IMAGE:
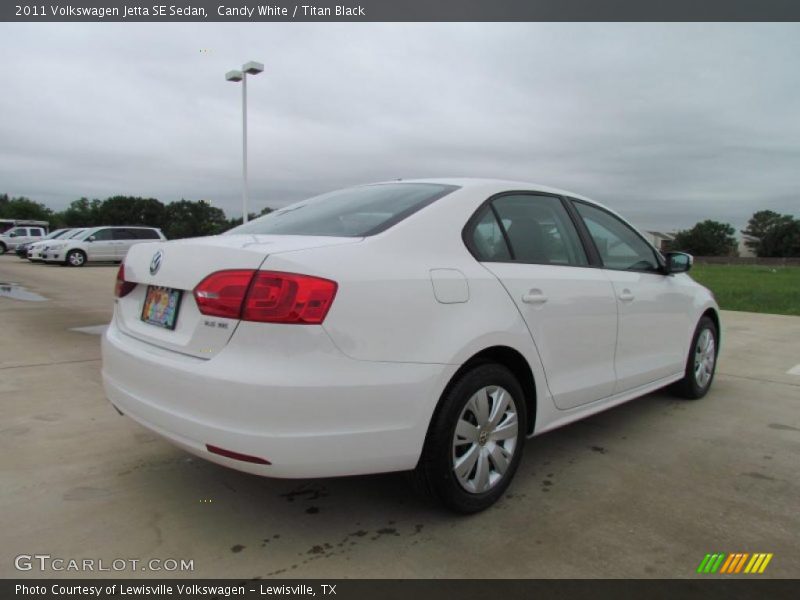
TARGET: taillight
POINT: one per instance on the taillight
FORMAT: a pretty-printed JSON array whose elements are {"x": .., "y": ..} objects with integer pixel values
[
  {"x": 221, "y": 294},
  {"x": 266, "y": 296},
  {"x": 288, "y": 298},
  {"x": 122, "y": 288}
]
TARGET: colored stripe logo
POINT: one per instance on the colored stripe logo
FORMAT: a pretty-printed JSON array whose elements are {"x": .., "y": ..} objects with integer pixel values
[{"x": 737, "y": 562}]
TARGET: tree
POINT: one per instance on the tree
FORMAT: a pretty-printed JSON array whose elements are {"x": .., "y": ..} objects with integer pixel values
[
  {"x": 781, "y": 239},
  {"x": 235, "y": 222},
  {"x": 130, "y": 210},
  {"x": 81, "y": 213},
  {"x": 764, "y": 224},
  {"x": 707, "y": 238},
  {"x": 192, "y": 219},
  {"x": 24, "y": 208}
]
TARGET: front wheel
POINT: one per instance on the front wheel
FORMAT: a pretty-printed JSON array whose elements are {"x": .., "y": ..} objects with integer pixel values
[
  {"x": 76, "y": 258},
  {"x": 701, "y": 364},
  {"x": 3, "y": 248},
  {"x": 474, "y": 444}
]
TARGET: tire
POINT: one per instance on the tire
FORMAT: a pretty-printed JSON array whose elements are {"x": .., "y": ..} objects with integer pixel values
[
  {"x": 481, "y": 484},
  {"x": 701, "y": 364},
  {"x": 75, "y": 258},
  {"x": 3, "y": 248}
]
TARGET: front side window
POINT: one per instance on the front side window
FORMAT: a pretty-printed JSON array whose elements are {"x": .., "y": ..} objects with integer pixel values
[
  {"x": 620, "y": 247},
  {"x": 354, "y": 212},
  {"x": 19, "y": 231}
]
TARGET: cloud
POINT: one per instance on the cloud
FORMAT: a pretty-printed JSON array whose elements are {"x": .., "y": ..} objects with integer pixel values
[{"x": 667, "y": 123}]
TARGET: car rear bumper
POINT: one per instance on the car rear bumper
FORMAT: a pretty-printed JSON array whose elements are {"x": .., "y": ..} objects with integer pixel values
[{"x": 296, "y": 401}]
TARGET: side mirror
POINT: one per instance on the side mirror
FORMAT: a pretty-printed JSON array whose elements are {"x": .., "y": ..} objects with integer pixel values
[
  {"x": 12, "y": 235},
  {"x": 91, "y": 238},
  {"x": 678, "y": 262}
]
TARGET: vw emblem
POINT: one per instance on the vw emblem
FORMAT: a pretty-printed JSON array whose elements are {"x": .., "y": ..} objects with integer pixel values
[{"x": 155, "y": 264}]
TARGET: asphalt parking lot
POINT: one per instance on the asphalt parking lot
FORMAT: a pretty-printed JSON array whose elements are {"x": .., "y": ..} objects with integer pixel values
[{"x": 643, "y": 490}]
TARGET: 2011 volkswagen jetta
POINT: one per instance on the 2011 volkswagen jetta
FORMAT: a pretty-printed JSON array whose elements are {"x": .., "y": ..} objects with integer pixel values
[{"x": 426, "y": 325}]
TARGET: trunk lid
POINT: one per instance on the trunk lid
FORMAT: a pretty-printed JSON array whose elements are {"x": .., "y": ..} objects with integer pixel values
[{"x": 184, "y": 264}]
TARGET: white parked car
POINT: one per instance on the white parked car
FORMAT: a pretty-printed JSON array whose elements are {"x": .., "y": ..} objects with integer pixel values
[
  {"x": 428, "y": 325},
  {"x": 34, "y": 249},
  {"x": 99, "y": 244},
  {"x": 40, "y": 253},
  {"x": 20, "y": 235}
]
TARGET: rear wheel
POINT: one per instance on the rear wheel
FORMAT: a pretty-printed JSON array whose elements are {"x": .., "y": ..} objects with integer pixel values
[
  {"x": 75, "y": 258},
  {"x": 701, "y": 364},
  {"x": 475, "y": 441}
]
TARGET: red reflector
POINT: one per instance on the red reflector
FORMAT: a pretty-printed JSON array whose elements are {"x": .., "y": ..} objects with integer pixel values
[
  {"x": 122, "y": 288},
  {"x": 236, "y": 455},
  {"x": 221, "y": 294},
  {"x": 276, "y": 297}
]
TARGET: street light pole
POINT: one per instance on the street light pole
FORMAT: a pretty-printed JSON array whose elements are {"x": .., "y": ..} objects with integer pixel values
[
  {"x": 250, "y": 68},
  {"x": 244, "y": 149}
]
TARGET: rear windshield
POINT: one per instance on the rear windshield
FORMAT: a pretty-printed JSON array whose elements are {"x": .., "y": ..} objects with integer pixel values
[{"x": 354, "y": 212}]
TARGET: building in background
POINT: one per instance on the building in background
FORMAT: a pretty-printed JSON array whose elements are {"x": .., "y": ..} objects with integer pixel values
[{"x": 660, "y": 240}]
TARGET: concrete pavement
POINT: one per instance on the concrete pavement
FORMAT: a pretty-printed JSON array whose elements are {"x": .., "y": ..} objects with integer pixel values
[{"x": 643, "y": 490}]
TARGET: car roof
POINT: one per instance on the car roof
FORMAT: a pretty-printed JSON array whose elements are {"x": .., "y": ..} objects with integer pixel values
[
  {"x": 495, "y": 186},
  {"x": 123, "y": 227}
]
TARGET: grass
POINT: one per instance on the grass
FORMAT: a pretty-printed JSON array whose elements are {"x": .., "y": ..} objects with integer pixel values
[{"x": 752, "y": 288}]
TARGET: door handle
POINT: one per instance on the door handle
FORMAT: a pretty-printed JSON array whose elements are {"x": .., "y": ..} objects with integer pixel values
[
  {"x": 534, "y": 297},
  {"x": 626, "y": 295}
]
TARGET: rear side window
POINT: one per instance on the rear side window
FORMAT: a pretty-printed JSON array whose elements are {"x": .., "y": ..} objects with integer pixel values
[
  {"x": 124, "y": 234},
  {"x": 488, "y": 238},
  {"x": 148, "y": 234},
  {"x": 534, "y": 228},
  {"x": 354, "y": 212}
]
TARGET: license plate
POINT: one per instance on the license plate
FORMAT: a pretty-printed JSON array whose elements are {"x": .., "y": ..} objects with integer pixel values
[{"x": 161, "y": 306}]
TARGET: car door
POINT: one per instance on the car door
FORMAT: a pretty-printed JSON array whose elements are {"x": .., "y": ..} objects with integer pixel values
[
  {"x": 140, "y": 235},
  {"x": 124, "y": 238},
  {"x": 17, "y": 236},
  {"x": 101, "y": 245},
  {"x": 653, "y": 309},
  {"x": 530, "y": 243}
]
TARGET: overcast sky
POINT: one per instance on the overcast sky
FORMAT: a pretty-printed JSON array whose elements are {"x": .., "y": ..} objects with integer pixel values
[{"x": 667, "y": 123}]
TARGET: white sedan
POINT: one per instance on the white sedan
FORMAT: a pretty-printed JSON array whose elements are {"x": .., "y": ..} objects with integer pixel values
[{"x": 426, "y": 325}]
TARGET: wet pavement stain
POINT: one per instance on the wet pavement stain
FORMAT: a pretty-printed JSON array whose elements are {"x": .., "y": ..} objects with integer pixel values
[
  {"x": 85, "y": 493},
  {"x": 306, "y": 492},
  {"x": 237, "y": 548},
  {"x": 782, "y": 427},
  {"x": 755, "y": 475},
  {"x": 17, "y": 292}
]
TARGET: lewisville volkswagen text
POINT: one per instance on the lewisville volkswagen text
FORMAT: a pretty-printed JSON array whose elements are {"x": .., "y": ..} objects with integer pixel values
[{"x": 426, "y": 325}]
